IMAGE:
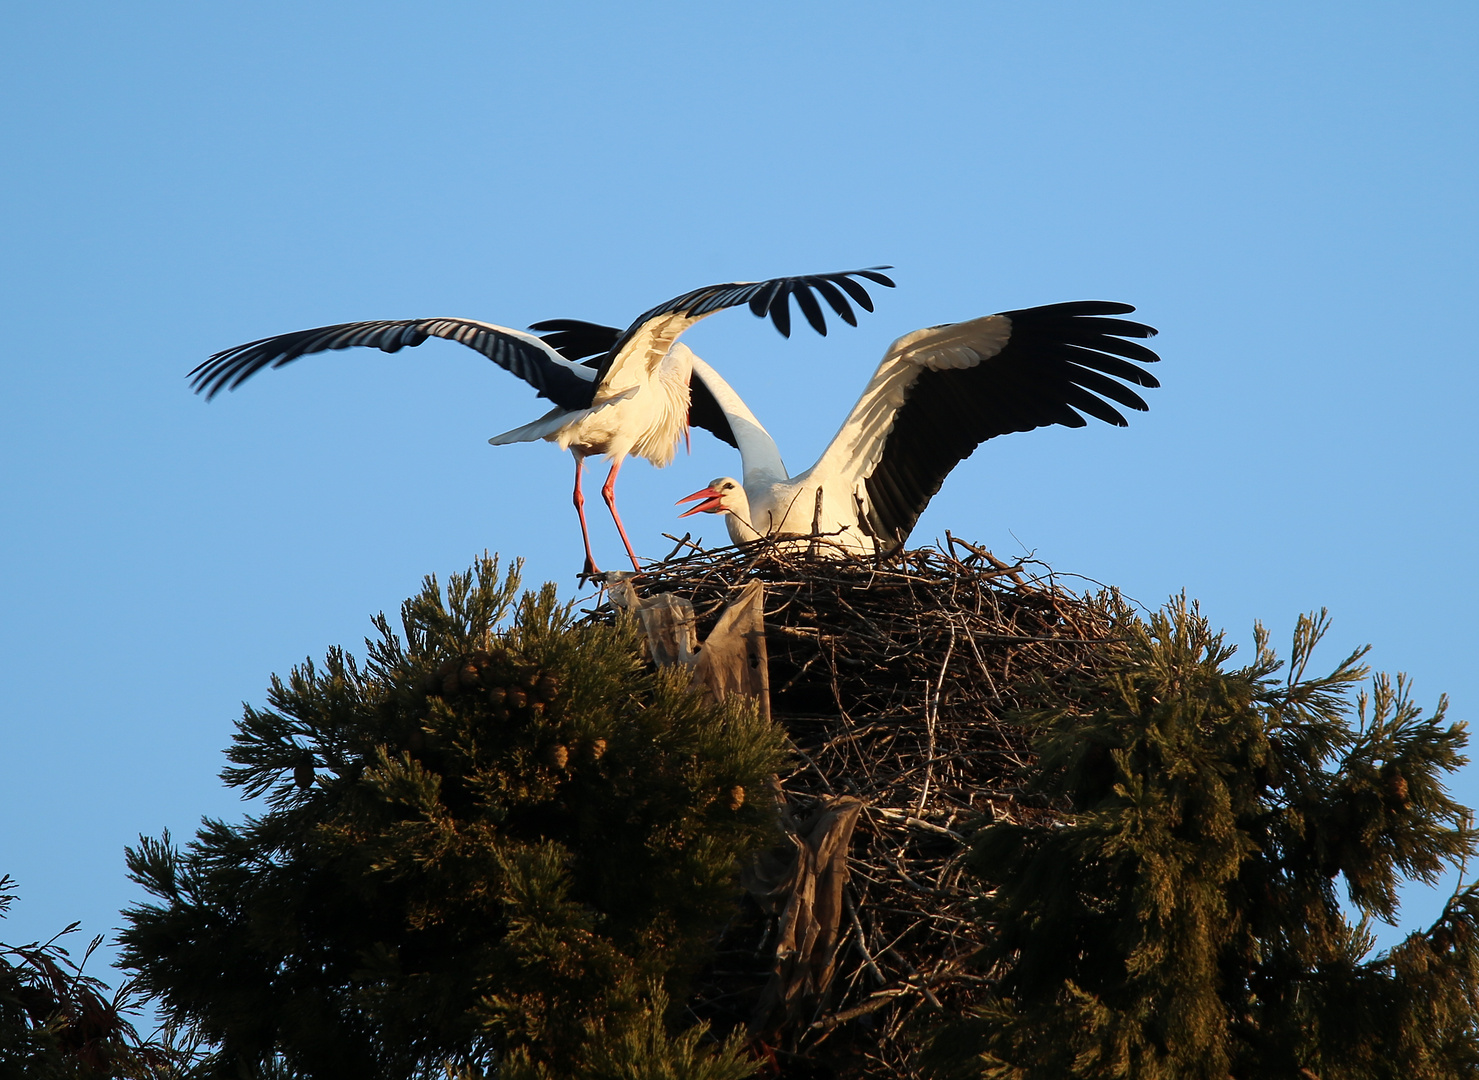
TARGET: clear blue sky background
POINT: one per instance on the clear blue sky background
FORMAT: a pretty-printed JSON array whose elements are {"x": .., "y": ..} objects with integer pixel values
[{"x": 1286, "y": 190}]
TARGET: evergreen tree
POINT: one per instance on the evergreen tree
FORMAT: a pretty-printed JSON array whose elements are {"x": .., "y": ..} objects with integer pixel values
[
  {"x": 59, "y": 1023},
  {"x": 484, "y": 851},
  {"x": 1182, "y": 917}
]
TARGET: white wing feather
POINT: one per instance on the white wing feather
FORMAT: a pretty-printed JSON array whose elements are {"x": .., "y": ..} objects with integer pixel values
[{"x": 858, "y": 447}]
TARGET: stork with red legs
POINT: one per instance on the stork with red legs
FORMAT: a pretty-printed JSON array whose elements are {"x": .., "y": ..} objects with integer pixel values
[
  {"x": 615, "y": 392},
  {"x": 937, "y": 395}
]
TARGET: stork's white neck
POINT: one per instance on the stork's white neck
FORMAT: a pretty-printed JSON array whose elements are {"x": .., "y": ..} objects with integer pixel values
[
  {"x": 758, "y": 451},
  {"x": 741, "y": 529}
]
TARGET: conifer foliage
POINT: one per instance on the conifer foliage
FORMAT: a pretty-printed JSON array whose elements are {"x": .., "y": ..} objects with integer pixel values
[
  {"x": 1182, "y": 918},
  {"x": 59, "y": 1023},
  {"x": 486, "y": 849}
]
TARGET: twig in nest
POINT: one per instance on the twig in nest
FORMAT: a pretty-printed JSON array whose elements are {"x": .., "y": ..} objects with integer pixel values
[
  {"x": 930, "y": 713},
  {"x": 1005, "y": 640}
]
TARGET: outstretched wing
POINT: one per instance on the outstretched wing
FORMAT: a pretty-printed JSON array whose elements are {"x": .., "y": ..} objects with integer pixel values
[
  {"x": 771, "y": 298},
  {"x": 942, "y": 391},
  {"x": 567, "y": 384},
  {"x": 653, "y": 332}
]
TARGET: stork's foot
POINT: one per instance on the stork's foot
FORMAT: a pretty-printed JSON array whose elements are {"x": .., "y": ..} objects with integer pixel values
[{"x": 619, "y": 583}]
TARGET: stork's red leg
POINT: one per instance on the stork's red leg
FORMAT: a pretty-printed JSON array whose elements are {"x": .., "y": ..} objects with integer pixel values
[
  {"x": 585, "y": 533},
  {"x": 608, "y": 492}
]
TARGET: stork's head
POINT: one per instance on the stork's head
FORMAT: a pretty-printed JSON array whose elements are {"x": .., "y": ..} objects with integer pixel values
[{"x": 722, "y": 496}]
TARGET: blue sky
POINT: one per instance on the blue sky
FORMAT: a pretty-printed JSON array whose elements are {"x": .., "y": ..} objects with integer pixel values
[{"x": 1286, "y": 190}]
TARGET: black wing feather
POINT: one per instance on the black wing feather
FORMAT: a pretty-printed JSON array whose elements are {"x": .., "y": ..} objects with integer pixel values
[
  {"x": 575, "y": 340},
  {"x": 838, "y": 302},
  {"x": 764, "y": 298},
  {"x": 1088, "y": 326},
  {"x": 780, "y": 310},
  {"x": 1131, "y": 350},
  {"x": 1077, "y": 397},
  {"x": 811, "y": 309},
  {"x": 232, "y": 367},
  {"x": 856, "y": 291},
  {"x": 1104, "y": 386},
  {"x": 760, "y": 302},
  {"x": 772, "y": 298},
  {"x": 705, "y": 412},
  {"x": 1087, "y": 307},
  {"x": 1110, "y": 365},
  {"x": 1060, "y": 360}
]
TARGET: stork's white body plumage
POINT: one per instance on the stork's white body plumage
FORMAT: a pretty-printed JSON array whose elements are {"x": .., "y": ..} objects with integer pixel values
[
  {"x": 937, "y": 394},
  {"x": 632, "y": 398},
  {"x": 644, "y": 419}
]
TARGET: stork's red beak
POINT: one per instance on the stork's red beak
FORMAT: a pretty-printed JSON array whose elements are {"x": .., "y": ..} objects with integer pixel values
[{"x": 709, "y": 505}]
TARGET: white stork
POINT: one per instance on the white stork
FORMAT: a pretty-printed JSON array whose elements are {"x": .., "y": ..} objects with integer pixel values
[
  {"x": 937, "y": 395},
  {"x": 630, "y": 397}
]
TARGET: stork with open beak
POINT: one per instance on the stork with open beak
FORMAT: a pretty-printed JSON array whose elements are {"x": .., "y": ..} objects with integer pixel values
[
  {"x": 616, "y": 393},
  {"x": 938, "y": 394}
]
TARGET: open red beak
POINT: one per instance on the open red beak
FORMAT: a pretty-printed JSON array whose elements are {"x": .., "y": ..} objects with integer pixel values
[{"x": 709, "y": 505}]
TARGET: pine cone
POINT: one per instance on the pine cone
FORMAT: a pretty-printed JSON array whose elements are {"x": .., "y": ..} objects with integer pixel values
[
  {"x": 736, "y": 797},
  {"x": 303, "y": 774},
  {"x": 546, "y": 688},
  {"x": 598, "y": 747},
  {"x": 557, "y": 756},
  {"x": 1397, "y": 789}
]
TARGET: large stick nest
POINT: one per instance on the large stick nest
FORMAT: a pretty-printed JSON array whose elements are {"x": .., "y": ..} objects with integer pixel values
[{"x": 898, "y": 682}]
